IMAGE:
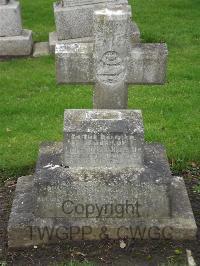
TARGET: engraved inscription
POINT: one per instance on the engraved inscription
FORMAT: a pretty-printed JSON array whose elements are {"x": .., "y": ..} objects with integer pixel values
[
  {"x": 111, "y": 67},
  {"x": 67, "y": 48},
  {"x": 102, "y": 149}
]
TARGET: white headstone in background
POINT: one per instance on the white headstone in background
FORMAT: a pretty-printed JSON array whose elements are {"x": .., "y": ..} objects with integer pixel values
[
  {"x": 14, "y": 41},
  {"x": 74, "y": 20}
]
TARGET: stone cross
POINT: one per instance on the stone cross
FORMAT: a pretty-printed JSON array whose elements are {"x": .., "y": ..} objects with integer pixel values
[{"x": 112, "y": 61}]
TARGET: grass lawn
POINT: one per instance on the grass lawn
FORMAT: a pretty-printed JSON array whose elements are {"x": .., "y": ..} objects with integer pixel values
[{"x": 32, "y": 104}]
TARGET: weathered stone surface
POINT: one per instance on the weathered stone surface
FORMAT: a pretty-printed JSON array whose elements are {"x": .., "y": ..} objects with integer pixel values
[
  {"x": 146, "y": 64},
  {"x": 10, "y": 19},
  {"x": 134, "y": 33},
  {"x": 56, "y": 185},
  {"x": 26, "y": 228},
  {"x": 22, "y": 214},
  {"x": 41, "y": 49},
  {"x": 14, "y": 41},
  {"x": 103, "y": 139},
  {"x": 91, "y": 2},
  {"x": 77, "y": 21},
  {"x": 74, "y": 63},
  {"x": 53, "y": 40},
  {"x": 111, "y": 28},
  {"x": 73, "y": 22},
  {"x": 113, "y": 62},
  {"x": 134, "y": 37},
  {"x": 17, "y": 45}
]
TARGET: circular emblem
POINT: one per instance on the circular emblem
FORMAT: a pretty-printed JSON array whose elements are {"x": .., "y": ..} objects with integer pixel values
[{"x": 110, "y": 68}]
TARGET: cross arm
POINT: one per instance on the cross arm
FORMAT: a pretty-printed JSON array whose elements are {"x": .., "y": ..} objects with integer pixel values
[
  {"x": 146, "y": 63},
  {"x": 74, "y": 63}
]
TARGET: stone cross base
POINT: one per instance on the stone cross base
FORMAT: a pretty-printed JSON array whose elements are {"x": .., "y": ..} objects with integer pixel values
[
  {"x": 111, "y": 139},
  {"x": 90, "y": 188},
  {"x": 14, "y": 41}
]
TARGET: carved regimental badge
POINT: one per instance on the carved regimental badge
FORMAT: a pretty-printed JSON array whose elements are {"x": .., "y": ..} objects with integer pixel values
[{"x": 111, "y": 68}]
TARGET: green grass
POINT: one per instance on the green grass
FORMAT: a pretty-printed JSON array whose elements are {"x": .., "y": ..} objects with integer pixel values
[
  {"x": 32, "y": 105},
  {"x": 38, "y": 16}
]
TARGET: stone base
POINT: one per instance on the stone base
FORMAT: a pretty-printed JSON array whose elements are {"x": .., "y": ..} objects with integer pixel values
[
  {"x": 61, "y": 204},
  {"x": 16, "y": 45}
]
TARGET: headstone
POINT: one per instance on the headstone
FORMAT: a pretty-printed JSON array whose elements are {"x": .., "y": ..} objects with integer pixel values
[
  {"x": 112, "y": 62},
  {"x": 14, "y": 41},
  {"x": 104, "y": 180},
  {"x": 74, "y": 20},
  {"x": 10, "y": 19}
]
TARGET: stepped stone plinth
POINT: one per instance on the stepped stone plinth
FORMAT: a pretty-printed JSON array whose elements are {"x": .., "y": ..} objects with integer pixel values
[{"x": 104, "y": 180}]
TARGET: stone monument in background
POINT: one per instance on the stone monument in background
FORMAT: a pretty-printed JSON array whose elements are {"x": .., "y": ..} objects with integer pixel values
[
  {"x": 14, "y": 41},
  {"x": 74, "y": 21},
  {"x": 104, "y": 180}
]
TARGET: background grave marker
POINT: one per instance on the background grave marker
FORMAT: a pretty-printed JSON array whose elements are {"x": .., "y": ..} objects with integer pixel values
[{"x": 14, "y": 41}]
